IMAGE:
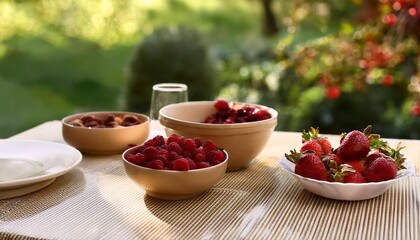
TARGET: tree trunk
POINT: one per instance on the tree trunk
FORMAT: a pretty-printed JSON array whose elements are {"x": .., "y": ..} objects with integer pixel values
[{"x": 270, "y": 24}]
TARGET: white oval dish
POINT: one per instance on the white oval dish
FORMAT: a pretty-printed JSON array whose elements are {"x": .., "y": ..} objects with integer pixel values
[
  {"x": 56, "y": 159},
  {"x": 346, "y": 191}
]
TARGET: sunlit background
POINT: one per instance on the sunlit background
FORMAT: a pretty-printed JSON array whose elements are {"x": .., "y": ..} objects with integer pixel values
[{"x": 316, "y": 62}]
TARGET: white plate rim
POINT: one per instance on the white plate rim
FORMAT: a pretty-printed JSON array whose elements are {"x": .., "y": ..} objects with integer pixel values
[{"x": 36, "y": 179}]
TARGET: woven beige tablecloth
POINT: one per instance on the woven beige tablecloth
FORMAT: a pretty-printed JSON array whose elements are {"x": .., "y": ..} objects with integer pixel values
[{"x": 96, "y": 200}]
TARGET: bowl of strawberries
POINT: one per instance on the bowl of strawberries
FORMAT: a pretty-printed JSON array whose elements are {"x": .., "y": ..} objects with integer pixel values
[
  {"x": 176, "y": 167},
  {"x": 362, "y": 166}
]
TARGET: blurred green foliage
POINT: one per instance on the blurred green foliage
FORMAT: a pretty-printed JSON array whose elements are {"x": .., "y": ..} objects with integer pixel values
[
  {"x": 69, "y": 56},
  {"x": 61, "y": 57},
  {"x": 170, "y": 54}
]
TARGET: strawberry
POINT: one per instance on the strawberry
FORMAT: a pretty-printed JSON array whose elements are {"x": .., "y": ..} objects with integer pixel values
[
  {"x": 308, "y": 165},
  {"x": 312, "y": 146},
  {"x": 358, "y": 165},
  {"x": 325, "y": 145},
  {"x": 313, "y": 134},
  {"x": 372, "y": 156},
  {"x": 355, "y": 177},
  {"x": 354, "y": 145},
  {"x": 381, "y": 169},
  {"x": 346, "y": 173},
  {"x": 384, "y": 148},
  {"x": 332, "y": 157}
]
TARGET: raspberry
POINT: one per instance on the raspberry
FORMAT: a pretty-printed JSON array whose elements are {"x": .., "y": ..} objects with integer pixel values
[
  {"x": 188, "y": 144},
  {"x": 203, "y": 165},
  {"x": 176, "y": 153},
  {"x": 170, "y": 165},
  {"x": 198, "y": 142},
  {"x": 187, "y": 154},
  {"x": 174, "y": 138},
  {"x": 136, "y": 158},
  {"x": 162, "y": 158},
  {"x": 199, "y": 158},
  {"x": 209, "y": 145},
  {"x": 192, "y": 164},
  {"x": 138, "y": 149},
  {"x": 150, "y": 152},
  {"x": 215, "y": 157},
  {"x": 158, "y": 141},
  {"x": 199, "y": 151},
  {"x": 174, "y": 147},
  {"x": 173, "y": 156},
  {"x": 155, "y": 142},
  {"x": 156, "y": 164},
  {"x": 146, "y": 164},
  {"x": 149, "y": 143},
  {"x": 181, "y": 164},
  {"x": 221, "y": 105},
  {"x": 163, "y": 152}
]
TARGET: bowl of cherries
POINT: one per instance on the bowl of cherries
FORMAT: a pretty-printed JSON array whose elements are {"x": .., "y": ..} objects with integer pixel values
[
  {"x": 176, "y": 167},
  {"x": 105, "y": 133},
  {"x": 242, "y": 129}
]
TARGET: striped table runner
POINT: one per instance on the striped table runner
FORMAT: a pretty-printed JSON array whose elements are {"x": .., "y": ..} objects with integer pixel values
[{"x": 97, "y": 201}]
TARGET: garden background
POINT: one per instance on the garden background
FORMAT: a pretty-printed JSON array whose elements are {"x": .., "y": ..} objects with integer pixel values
[{"x": 337, "y": 65}]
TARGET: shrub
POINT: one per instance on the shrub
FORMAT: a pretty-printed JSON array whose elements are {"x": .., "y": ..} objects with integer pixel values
[
  {"x": 368, "y": 77},
  {"x": 169, "y": 54}
]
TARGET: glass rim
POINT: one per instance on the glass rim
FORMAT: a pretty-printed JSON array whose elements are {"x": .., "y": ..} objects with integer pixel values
[{"x": 170, "y": 87}]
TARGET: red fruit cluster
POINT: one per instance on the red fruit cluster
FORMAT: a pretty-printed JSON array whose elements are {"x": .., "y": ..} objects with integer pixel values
[
  {"x": 361, "y": 157},
  {"x": 236, "y": 113},
  {"x": 176, "y": 153}
]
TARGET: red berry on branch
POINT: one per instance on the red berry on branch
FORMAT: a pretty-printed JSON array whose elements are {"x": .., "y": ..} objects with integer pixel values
[
  {"x": 363, "y": 64},
  {"x": 390, "y": 19},
  {"x": 388, "y": 80},
  {"x": 415, "y": 110},
  {"x": 332, "y": 92},
  {"x": 412, "y": 12},
  {"x": 396, "y": 6}
]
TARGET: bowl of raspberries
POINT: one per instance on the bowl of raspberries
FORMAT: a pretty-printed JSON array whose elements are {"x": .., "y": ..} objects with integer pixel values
[
  {"x": 176, "y": 167},
  {"x": 242, "y": 129},
  {"x": 362, "y": 166}
]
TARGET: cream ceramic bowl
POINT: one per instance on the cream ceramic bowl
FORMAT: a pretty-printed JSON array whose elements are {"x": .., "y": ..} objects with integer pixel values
[
  {"x": 102, "y": 141},
  {"x": 174, "y": 185},
  {"x": 242, "y": 141},
  {"x": 346, "y": 191}
]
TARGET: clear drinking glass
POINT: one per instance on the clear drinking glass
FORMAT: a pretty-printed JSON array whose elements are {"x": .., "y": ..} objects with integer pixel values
[{"x": 167, "y": 93}]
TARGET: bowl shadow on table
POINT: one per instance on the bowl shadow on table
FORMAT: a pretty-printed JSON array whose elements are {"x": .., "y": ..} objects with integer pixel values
[
  {"x": 238, "y": 194},
  {"x": 61, "y": 189}
]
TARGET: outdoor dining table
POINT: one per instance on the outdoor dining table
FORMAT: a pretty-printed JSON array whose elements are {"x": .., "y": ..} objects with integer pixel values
[{"x": 96, "y": 200}]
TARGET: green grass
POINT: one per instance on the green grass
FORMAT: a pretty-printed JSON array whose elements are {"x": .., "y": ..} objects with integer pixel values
[
  {"x": 57, "y": 59},
  {"x": 53, "y": 69}
]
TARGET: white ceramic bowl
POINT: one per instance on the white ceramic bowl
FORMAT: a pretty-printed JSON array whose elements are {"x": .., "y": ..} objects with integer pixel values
[
  {"x": 171, "y": 184},
  {"x": 243, "y": 141},
  {"x": 346, "y": 191}
]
